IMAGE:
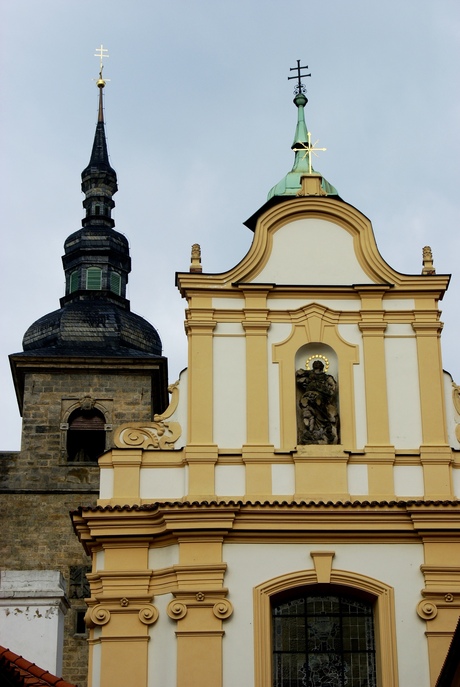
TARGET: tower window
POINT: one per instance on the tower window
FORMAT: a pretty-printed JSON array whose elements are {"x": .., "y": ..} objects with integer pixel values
[
  {"x": 115, "y": 283},
  {"x": 94, "y": 278},
  {"x": 85, "y": 436},
  {"x": 97, "y": 210},
  {"x": 323, "y": 640},
  {"x": 74, "y": 281}
]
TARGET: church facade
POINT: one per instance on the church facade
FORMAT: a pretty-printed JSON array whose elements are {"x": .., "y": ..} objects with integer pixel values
[{"x": 292, "y": 517}]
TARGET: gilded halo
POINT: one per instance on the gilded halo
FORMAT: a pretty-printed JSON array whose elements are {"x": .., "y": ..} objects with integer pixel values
[{"x": 316, "y": 356}]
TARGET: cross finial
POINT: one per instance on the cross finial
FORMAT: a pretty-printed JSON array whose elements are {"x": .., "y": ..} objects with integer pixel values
[
  {"x": 300, "y": 88},
  {"x": 101, "y": 53},
  {"x": 309, "y": 148}
]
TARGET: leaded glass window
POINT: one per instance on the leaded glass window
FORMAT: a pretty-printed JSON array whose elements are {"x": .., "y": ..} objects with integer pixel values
[{"x": 323, "y": 640}]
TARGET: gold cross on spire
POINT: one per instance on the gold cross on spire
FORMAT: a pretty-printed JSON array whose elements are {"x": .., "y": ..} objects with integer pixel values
[
  {"x": 309, "y": 148},
  {"x": 101, "y": 53}
]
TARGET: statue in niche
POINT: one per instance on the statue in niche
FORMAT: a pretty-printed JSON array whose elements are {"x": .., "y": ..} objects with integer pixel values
[{"x": 317, "y": 407}]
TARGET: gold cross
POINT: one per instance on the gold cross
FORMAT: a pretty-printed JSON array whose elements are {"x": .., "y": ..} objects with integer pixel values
[
  {"x": 309, "y": 148},
  {"x": 100, "y": 52}
]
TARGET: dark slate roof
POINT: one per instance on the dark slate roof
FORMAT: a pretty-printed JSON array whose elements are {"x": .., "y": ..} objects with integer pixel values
[
  {"x": 92, "y": 327},
  {"x": 16, "y": 671}
]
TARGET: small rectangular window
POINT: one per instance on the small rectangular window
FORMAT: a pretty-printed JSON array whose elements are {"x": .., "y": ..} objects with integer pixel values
[{"x": 80, "y": 625}]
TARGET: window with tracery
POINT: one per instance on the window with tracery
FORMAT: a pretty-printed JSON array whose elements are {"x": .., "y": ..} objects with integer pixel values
[{"x": 323, "y": 640}]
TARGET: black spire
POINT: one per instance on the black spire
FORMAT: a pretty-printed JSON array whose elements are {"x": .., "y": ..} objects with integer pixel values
[
  {"x": 95, "y": 316},
  {"x": 99, "y": 179}
]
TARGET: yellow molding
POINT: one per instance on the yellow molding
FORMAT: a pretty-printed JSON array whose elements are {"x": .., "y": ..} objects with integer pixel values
[
  {"x": 327, "y": 209},
  {"x": 322, "y": 561}
]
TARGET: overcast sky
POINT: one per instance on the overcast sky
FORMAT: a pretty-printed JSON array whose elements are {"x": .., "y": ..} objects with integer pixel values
[{"x": 199, "y": 120}]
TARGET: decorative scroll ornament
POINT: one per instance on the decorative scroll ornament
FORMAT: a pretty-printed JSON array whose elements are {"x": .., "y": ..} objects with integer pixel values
[
  {"x": 97, "y": 616},
  {"x": 160, "y": 435},
  {"x": 176, "y": 610},
  {"x": 148, "y": 614},
  {"x": 427, "y": 610},
  {"x": 222, "y": 609}
]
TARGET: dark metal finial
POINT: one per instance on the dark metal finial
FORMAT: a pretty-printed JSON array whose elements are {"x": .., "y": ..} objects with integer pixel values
[{"x": 300, "y": 88}]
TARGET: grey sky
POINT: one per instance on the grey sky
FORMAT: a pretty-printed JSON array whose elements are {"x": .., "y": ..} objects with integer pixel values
[{"x": 199, "y": 119}]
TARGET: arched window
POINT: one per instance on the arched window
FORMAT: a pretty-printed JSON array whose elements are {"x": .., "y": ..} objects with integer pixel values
[
  {"x": 86, "y": 435},
  {"x": 323, "y": 638},
  {"x": 300, "y": 623},
  {"x": 94, "y": 278}
]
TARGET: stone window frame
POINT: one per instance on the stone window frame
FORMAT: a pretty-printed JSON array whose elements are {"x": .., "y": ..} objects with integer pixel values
[
  {"x": 68, "y": 406},
  {"x": 348, "y": 582}
]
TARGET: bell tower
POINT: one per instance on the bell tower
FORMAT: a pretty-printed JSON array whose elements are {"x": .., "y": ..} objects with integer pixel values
[{"x": 85, "y": 368}]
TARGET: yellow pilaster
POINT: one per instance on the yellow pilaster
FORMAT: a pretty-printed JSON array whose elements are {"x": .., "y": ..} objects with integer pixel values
[
  {"x": 201, "y": 453},
  {"x": 120, "y": 606},
  {"x": 381, "y": 452},
  {"x": 200, "y": 325},
  {"x": 126, "y": 466},
  {"x": 200, "y": 607},
  {"x": 436, "y": 455},
  {"x": 256, "y": 327}
]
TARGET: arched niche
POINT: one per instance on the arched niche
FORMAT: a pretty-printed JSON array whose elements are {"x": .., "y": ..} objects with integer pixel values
[
  {"x": 317, "y": 326},
  {"x": 317, "y": 395}
]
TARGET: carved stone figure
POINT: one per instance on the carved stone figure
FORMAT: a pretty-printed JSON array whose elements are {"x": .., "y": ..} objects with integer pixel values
[{"x": 317, "y": 408}]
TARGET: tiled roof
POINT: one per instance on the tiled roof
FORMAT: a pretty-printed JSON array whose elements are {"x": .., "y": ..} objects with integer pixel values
[
  {"x": 16, "y": 671},
  {"x": 293, "y": 505}
]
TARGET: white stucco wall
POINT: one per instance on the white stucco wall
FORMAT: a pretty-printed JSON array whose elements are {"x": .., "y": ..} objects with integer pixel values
[
  {"x": 452, "y": 417},
  {"x": 348, "y": 305},
  {"x": 106, "y": 482},
  {"x": 162, "y": 648},
  {"x": 352, "y": 334},
  {"x": 296, "y": 247},
  {"x": 230, "y": 480},
  {"x": 283, "y": 479},
  {"x": 32, "y": 609},
  {"x": 403, "y": 386},
  {"x": 279, "y": 331},
  {"x": 396, "y": 565},
  {"x": 408, "y": 480},
  {"x": 229, "y": 386},
  {"x": 358, "y": 479},
  {"x": 163, "y": 483}
]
